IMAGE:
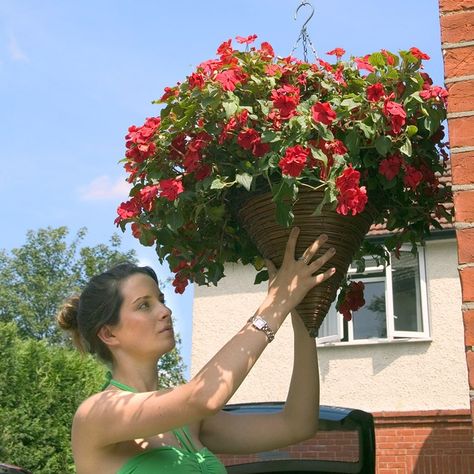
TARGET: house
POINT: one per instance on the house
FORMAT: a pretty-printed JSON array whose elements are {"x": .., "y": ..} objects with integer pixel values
[{"x": 408, "y": 357}]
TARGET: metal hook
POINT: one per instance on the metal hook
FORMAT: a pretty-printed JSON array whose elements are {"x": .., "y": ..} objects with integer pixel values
[{"x": 303, "y": 28}]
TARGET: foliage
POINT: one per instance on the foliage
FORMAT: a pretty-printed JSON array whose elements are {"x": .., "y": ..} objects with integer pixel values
[
  {"x": 366, "y": 130},
  {"x": 36, "y": 277},
  {"x": 40, "y": 389}
]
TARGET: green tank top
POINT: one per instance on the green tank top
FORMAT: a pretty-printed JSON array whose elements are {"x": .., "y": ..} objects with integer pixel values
[{"x": 171, "y": 459}]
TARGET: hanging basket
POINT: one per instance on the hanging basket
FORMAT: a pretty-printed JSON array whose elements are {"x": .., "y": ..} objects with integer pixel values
[{"x": 345, "y": 234}]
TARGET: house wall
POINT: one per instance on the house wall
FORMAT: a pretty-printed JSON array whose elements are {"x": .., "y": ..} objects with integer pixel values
[
  {"x": 457, "y": 43},
  {"x": 401, "y": 376}
]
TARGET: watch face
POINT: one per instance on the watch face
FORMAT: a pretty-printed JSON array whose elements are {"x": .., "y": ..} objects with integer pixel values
[{"x": 259, "y": 323}]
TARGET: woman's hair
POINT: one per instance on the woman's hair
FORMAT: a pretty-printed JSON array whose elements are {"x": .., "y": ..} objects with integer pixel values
[{"x": 98, "y": 304}]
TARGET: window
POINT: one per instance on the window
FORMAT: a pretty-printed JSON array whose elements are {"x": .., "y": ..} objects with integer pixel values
[{"x": 395, "y": 303}]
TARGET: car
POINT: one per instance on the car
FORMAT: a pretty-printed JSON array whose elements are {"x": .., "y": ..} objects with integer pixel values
[
  {"x": 9, "y": 469},
  {"x": 344, "y": 443}
]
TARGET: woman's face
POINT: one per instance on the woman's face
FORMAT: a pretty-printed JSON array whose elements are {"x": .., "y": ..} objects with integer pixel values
[{"x": 145, "y": 327}]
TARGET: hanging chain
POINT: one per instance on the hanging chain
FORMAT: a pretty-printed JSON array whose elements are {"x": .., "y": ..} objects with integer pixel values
[{"x": 304, "y": 36}]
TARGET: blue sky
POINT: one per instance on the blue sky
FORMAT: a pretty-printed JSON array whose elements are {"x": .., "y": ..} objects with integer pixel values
[{"x": 75, "y": 74}]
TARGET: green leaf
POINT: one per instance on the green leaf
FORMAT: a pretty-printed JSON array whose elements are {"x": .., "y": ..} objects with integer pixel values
[
  {"x": 383, "y": 145},
  {"x": 230, "y": 109},
  {"x": 412, "y": 130},
  {"x": 218, "y": 184},
  {"x": 406, "y": 148},
  {"x": 261, "y": 277},
  {"x": 284, "y": 214},
  {"x": 245, "y": 180},
  {"x": 269, "y": 136},
  {"x": 366, "y": 129},
  {"x": 377, "y": 59},
  {"x": 352, "y": 141},
  {"x": 350, "y": 104},
  {"x": 175, "y": 221}
]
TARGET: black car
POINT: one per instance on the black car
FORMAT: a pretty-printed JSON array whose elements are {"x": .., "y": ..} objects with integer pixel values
[
  {"x": 345, "y": 443},
  {"x": 9, "y": 469}
]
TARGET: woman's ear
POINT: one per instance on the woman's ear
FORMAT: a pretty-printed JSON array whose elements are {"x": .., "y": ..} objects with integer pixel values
[{"x": 106, "y": 335}]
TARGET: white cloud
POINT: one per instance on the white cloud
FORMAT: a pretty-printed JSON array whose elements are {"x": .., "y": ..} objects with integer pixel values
[
  {"x": 16, "y": 53},
  {"x": 104, "y": 188}
]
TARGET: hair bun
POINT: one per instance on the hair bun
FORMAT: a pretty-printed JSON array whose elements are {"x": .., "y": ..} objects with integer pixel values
[{"x": 67, "y": 314}]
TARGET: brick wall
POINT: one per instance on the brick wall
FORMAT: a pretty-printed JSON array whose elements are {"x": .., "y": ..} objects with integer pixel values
[
  {"x": 427, "y": 442},
  {"x": 457, "y": 37},
  {"x": 420, "y": 442}
]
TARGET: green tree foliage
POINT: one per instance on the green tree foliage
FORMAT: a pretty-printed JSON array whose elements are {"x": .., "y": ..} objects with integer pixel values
[
  {"x": 36, "y": 277},
  {"x": 40, "y": 389},
  {"x": 43, "y": 380}
]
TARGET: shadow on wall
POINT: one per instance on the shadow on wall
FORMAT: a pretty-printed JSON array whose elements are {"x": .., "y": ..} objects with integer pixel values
[
  {"x": 447, "y": 449},
  {"x": 425, "y": 442}
]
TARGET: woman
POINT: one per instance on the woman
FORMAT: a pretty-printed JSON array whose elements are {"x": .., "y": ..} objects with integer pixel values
[{"x": 134, "y": 427}]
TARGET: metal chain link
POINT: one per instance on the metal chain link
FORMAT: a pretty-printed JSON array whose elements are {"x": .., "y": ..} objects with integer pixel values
[{"x": 304, "y": 36}]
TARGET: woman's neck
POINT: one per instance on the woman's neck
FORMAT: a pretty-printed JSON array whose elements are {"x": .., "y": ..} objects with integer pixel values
[{"x": 140, "y": 377}]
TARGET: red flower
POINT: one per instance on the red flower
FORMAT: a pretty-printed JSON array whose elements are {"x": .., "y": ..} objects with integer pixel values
[
  {"x": 169, "y": 92},
  {"x": 418, "y": 54},
  {"x": 209, "y": 67},
  {"x": 389, "y": 58},
  {"x": 203, "y": 172},
  {"x": 353, "y": 299},
  {"x": 433, "y": 92},
  {"x": 294, "y": 160},
  {"x": 147, "y": 196},
  {"x": 338, "y": 52},
  {"x": 322, "y": 112},
  {"x": 266, "y": 51},
  {"x": 363, "y": 63},
  {"x": 285, "y": 100},
  {"x": 128, "y": 210},
  {"x": 247, "y": 138},
  {"x": 170, "y": 188},
  {"x": 200, "y": 141},
  {"x": 412, "y": 177},
  {"x": 225, "y": 50},
  {"x": 196, "y": 80},
  {"x": 180, "y": 283},
  {"x": 375, "y": 92},
  {"x": 390, "y": 166},
  {"x": 396, "y": 115},
  {"x": 192, "y": 160},
  {"x": 230, "y": 78},
  {"x": 178, "y": 146},
  {"x": 142, "y": 232},
  {"x": 325, "y": 65},
  {"x": 247, "y": 40},
  {"x": 351, "y": 197}
]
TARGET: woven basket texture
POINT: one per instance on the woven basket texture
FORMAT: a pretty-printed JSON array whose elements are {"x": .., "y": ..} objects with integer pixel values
[{"x": 345, "y": 234}]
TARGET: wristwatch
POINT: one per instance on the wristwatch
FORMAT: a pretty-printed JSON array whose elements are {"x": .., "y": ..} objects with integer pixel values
[{"x": 259, "y": 323}]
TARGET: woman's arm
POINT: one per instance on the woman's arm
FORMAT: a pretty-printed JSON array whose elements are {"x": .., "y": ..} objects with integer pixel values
[
  {"x": 223, "y": 433},
  {"x": 111, "y": 416}
]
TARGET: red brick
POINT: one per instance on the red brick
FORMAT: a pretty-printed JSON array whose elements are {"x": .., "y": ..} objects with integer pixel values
[
  {"x": 459, "y": 62},
  {"x": 462, "y": 167},
  {"x": 467, "y": 284},
  {"x": 464, "y": 206},
  {"x": 458, "y": 27},
  {"x": 455, "y": 5},
  {"x": 465, "y": 238},
  {"x": 461, "y": 131},
  {"x": 470, "y": 368},
  {"x": 468, "y": 318},
  {"x": 461, "y": 96}
]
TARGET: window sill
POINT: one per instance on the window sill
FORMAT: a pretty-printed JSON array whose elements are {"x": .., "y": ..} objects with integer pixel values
[{"x": 370, "y": 342}]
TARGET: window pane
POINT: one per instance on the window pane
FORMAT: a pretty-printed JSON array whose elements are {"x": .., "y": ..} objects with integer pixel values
[
  {"x": 370, "y": 321},
  {"x": 329, "y": 325},
  {"x": 406, "y": 293}
]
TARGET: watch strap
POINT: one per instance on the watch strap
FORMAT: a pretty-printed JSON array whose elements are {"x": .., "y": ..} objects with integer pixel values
[{"x": 259, "y": 323}]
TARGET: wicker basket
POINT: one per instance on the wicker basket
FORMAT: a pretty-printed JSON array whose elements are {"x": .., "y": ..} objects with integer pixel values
[{"x": 345, "y": 233}]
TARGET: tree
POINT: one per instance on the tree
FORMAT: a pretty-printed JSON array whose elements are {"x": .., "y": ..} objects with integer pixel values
[
  {"x": 43, "y": 380},
  {"x": 37, "y": 277}
]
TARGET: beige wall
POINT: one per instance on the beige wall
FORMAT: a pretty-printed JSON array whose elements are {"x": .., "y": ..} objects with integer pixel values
[{"x": 418, "y": 375}]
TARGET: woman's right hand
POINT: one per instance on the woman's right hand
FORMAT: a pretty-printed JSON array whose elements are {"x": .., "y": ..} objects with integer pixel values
[{"x": 289, "y": 284}]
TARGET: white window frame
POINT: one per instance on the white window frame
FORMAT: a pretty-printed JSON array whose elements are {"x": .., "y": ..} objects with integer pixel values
[{"x": 392, "y": 334}]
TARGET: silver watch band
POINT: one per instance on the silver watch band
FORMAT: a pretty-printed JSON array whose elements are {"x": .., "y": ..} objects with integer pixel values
[{"x": 259, "y": 323}]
